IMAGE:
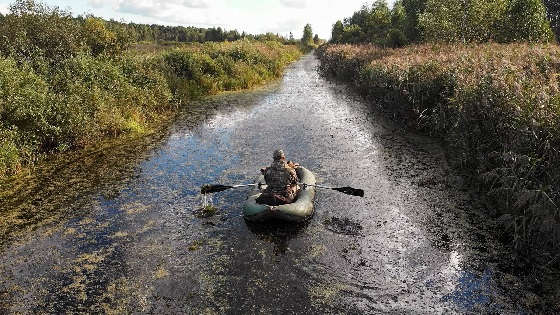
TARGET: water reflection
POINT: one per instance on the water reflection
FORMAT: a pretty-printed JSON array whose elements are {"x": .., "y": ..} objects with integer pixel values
[{"x": 472, "y": 291}]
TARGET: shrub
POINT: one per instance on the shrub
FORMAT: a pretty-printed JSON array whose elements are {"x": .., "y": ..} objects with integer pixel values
[
  {"x": 34, "y": 31},
  {"x": 208, "y": 68},
  {"x": 396, "y": 38}
]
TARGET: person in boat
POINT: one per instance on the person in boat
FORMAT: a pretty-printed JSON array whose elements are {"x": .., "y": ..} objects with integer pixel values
[{"x": 281, "y": 180}]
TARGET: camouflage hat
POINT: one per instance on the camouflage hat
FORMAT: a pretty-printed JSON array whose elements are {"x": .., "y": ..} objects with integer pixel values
[{"x": 278, "y": 154}]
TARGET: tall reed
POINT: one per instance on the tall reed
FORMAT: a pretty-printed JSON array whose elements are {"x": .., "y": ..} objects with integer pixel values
[{"x": 496, "y": 106}]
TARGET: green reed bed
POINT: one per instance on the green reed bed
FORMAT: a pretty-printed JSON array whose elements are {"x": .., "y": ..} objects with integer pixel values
[{"x": 496, "y": 106}]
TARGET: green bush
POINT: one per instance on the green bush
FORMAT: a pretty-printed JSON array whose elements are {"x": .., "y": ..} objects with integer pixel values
[
  {"x": 34, "y": 31},
  {"x": 27, "y": 105},
  {"x": 85, "y": 99},
  {"x": 396, "y": 38},
  {"x": 44, "y": 36},
  {"x": 212, "y": 67}
]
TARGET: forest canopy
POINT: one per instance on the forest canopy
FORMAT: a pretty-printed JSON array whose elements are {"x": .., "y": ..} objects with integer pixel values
[{"x": 414, "y": 21}]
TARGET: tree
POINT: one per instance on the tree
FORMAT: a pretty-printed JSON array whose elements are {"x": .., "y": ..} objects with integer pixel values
[
  {"x": 526, "y": 20},
  {"x": 553, "y": 12},
  {"x": 291, "y": 39},
  {"x": 485, "y": 20},
  {"x": 352, "y": 34},
  {"x": 33, "y": 31},
  {"x": 307, "y": 38},
  {"x": 337, "y": 32},
  {"x": 316, "y": 39},
  {"x": 413, "y": 9},
  {"x": 398, "y": 15},
  {"x": 444, "y": 20},
  {"x": 377, "y": 23},
  {"x": 463, "y": 20}
]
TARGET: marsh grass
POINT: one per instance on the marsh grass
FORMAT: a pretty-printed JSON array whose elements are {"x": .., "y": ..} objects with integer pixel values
[{"x": 496, "y": 106}]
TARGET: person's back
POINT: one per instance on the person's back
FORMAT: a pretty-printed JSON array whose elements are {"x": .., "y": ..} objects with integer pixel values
[{"x": 281, "y": 179}]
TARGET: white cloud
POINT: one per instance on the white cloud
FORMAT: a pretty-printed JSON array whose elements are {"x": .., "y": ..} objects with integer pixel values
[
  {"x": 299, "y": 4},
  {"x": 96, "y": 3},
  {"x": 196, "y": 3},
  {"x": 163, "y": 8},
  {"x": 144, "y": 8},
  {"x": 4, "y": 9}
]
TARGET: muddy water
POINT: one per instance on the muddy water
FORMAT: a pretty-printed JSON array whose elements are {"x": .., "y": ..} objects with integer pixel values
[{"x": 114, "y": 229}]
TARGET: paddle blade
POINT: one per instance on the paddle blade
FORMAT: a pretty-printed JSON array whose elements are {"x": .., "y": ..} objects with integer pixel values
[
  {"x": 351, "y": 191},
  {"x": 210, "y": 189}
]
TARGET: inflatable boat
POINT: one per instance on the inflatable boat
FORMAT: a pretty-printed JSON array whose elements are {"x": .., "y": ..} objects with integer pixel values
[{"x": 298, "y": 211}]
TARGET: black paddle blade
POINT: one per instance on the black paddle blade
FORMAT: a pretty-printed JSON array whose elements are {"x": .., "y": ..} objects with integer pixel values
[
  {"x": 210, "y": 189},
  {"x": 351, "y": 191}
]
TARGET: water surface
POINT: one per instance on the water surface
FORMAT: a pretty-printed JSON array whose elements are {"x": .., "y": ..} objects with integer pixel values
[{"x": 114, "y": 229}]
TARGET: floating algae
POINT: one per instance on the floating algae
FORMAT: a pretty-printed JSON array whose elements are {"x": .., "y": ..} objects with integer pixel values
[
  {"x": 194, "y": 246},
  {"x": 207, "y": 209}
]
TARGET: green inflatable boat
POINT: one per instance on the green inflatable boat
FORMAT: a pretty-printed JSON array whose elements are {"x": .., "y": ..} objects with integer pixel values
[{"x": 297, "y": 211}]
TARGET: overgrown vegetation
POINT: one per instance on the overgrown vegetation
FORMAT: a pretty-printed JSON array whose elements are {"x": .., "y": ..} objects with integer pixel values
[
  {"x": 497, "y": 106},
  {"x": 483, "y": 76},
  {"x": 208, "y": 68},
  {"x": 65, "y": 82},
  {"x": 553, "y": 12},
  {"x": 414, "y": 21}
]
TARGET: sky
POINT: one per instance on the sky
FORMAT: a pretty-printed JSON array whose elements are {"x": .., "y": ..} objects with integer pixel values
[{"x": 252, "y": 16}]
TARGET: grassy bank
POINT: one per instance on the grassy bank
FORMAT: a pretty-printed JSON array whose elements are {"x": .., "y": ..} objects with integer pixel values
[
  {"x": 498, "y": 109},
  {"x": 84, "y": 98}
]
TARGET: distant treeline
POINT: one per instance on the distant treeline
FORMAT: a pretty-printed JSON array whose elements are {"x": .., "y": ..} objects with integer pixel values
[
  {"x": 415, "y": 21},
  {"x": 133, "y": 32},
  {"x": 188, "y": 34}
]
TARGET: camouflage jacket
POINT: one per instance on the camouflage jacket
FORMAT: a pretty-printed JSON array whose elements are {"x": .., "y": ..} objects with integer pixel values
[{"x": 281, "y": 178}]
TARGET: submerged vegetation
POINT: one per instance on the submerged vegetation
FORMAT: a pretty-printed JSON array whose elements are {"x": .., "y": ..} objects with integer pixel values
[{"x": 66, "y": 82}]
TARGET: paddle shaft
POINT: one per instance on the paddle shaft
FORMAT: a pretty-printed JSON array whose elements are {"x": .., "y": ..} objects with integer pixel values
[
  {"x": 317, "y": 186},
  {"x": 345, "y": 190},
  {"x": 245, "y": 185},
  {"x": 210, "y": 189}
]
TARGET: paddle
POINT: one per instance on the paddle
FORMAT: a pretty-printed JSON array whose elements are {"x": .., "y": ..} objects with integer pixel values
[
  {"x": 210, "y": 189},
  {"x": 345, "y": 190}
]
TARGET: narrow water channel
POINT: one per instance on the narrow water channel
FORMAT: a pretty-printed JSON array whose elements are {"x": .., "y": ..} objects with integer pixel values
[{"x": 115, "y": 230}]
